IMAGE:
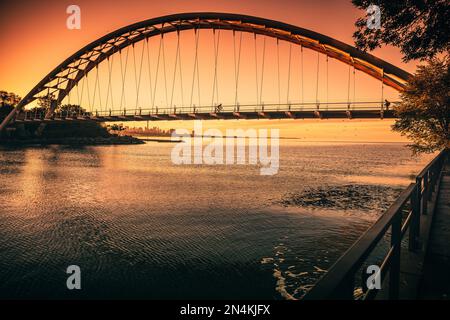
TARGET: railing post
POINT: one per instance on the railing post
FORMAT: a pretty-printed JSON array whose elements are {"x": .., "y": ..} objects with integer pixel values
[
  {"x": 430, "y": 183},
  {"x": 425, "y": 193},
  {"x": 434, "y": 175},
  {"x": 414, "y": 226},
  {"x": 394, "y": 272}
]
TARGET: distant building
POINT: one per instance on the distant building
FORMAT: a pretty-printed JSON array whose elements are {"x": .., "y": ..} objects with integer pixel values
[{"x": 154, "y": 131}]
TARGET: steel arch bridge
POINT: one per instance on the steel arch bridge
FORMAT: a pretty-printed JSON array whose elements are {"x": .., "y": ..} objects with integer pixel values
[{"x": 61, "y": 80}]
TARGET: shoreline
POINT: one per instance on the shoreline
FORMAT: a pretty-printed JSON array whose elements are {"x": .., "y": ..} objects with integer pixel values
[{"x": 81, "y": 141}]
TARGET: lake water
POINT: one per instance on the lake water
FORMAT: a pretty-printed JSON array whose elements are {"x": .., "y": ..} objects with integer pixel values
[{"x": 140, "y": 227}]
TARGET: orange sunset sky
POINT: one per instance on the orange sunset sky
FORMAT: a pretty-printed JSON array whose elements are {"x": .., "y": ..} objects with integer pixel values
[{"x": 35, "y": 39}]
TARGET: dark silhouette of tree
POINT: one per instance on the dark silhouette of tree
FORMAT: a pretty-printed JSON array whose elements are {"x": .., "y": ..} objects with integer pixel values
[
  {"x": 3, "y": 97},
  {"x": 8, "y": 100},
  {"x": 116, "y": 128},
  {"x": 424, "y": 113},
  {"x": 70, "y": 109},
  {"x": 46, "y": 101},
  {"x": 39, "y": 111},
  {"x": 420, "y": 28}
]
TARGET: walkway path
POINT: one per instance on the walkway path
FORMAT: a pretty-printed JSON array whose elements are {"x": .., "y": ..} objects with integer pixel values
[{"x": 436, "y": 279}]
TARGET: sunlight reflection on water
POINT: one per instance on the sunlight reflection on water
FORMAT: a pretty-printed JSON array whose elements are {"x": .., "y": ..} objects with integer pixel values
[{"x": 140, "y": 227}]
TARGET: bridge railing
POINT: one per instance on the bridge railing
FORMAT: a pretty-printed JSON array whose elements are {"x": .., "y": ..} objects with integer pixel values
[
  {"x": 270, "y": 107},
  {"x": 217, "y": 109},
  {"x": 402, "y": 217}
]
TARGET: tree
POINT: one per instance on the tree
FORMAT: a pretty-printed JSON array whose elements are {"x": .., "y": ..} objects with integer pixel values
[
  {"x": 420, "y": 28},
  {"x": 424, "y": 112},
  {"x": 8, "y": 101},
  {"x": 3, "y": 97},
  {"x": 8, "y": 98},
  {"x": 70, "y": 109},
  {"x": 46, "y": 101},
  {"x": 116, "y": 128}
]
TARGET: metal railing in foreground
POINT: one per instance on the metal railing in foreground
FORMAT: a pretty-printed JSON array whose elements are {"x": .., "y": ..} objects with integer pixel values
[{"x": 339, "y": 281}]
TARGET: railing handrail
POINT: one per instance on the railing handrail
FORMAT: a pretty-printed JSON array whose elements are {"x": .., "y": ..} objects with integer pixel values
[
  {"x": 354, "y": 257},
  {"x": 338, "y": 282},
  {"x": 432, "y": 162},
  {"x": 230, "y": 107}
]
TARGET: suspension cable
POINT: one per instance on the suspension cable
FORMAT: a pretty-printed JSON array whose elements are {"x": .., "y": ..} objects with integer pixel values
[
  {"x": 256, "y": 70},
  {"x": 327, "y": 82},
  {"x": 123, "y": 71},
  {"x": 68, "y": 97},
  {"x": 138, "y": 82},
  {"x": 135, "y": 71},
  {"x": 78, "y": 95},
  {"x": 348, "y": 85},
  {"x": 157, "y": 72},
  {"x": 164, "y": 68},
  {"x": 354, "y": 85},
  {"x": 302, "y": 79},
  {"x": 88, "y": 91},
  {"x": 198, "y": 76},
  {"x": 175, "y": 68},
  {"x": 317, "y": 78},
  {"x": 149, "y": 71},
  {"x": 181, "y": 76},
  {"x": 382, "y": 87},
  {"x": 301, "y": 66},
  {"x": 216, "y": 54},
  {"x": 215, "y": 67},
  {"x": 82, "y": 87},
  {"x": 289, "y": 73},
  {"x": 109, "y": 88},
  {"x": 217, "y": 73},
  {"x": 95, "y": 85},
  {"x": 237, "y": 65},
  {"x": 78, "y": 90},
  {"x": 100, "y": 93},
  {"x": 278, "y": 64},
  {"x": 262, "y": 70},
  {"x": 195, "y": 65}
]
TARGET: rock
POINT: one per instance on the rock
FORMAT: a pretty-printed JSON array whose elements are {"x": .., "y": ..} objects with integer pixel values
[{"x": 345, "y": 197}]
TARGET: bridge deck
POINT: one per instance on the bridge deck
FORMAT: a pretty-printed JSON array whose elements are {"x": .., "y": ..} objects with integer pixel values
[
  {"x": 436, "y": 278},
  {"x": 249, "y": 115}
]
